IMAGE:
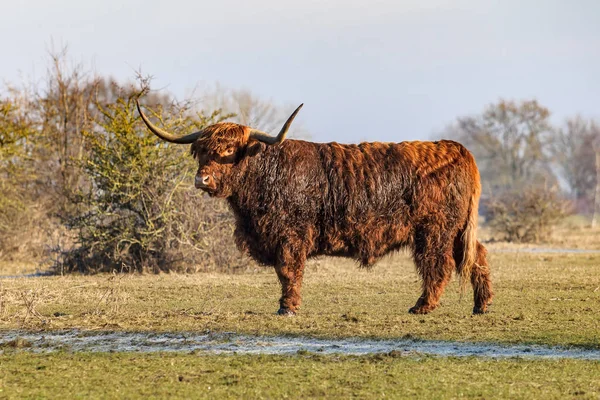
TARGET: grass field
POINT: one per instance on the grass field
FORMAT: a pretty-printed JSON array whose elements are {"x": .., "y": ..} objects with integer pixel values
[
  {"x": 542, "y": 298},
  {"x": 301, "y": 376}
]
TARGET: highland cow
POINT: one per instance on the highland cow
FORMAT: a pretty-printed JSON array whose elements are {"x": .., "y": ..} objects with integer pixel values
[{"x": 294, "y": 199}]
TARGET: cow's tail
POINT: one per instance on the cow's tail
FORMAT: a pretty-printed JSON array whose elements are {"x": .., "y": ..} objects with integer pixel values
[{"x": 469, "y": 238}]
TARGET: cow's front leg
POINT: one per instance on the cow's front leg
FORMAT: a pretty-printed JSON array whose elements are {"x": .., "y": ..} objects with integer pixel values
[{"x": 290, "y": 270}]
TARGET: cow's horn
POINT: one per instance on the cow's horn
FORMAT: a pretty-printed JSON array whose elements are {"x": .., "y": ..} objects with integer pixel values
[
  {"x": 266, "y": 138},
  {"x": 190, "y": 138}
]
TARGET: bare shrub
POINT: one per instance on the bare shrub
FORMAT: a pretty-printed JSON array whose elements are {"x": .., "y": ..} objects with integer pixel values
[
  {"x": 203, "y": 229},
  {"x": 139, "y": 211},
  {"x": 40, "y": 135},
  {"x": 21, "y": 212},
  {"x": 85, "y": 187},
  {"x": 527, "y": 215},
  {"x": 31, "y": 299}
]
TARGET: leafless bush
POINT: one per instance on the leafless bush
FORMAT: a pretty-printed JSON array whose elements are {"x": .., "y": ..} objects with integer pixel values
[
  {"x": 203, "y": 231},
  {"x": 138, "y": 211},
  {"x": 31, "y": 299},
  {"x": 527, "y": 215}
]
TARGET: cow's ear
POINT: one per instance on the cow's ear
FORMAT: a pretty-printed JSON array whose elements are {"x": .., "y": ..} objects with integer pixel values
[{"x": 253, "y": 148}]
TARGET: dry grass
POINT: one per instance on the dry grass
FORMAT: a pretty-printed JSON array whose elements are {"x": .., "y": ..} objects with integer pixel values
[
  {"x": 13, "y": 268},
  {"x": 541, "y": 298},
  {"x": 573, "y": 233},
  {"x": 576, "y": 233}
]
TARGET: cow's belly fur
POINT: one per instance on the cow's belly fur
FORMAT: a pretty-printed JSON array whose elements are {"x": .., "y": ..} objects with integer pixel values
[{"x": 364, "y": 242}]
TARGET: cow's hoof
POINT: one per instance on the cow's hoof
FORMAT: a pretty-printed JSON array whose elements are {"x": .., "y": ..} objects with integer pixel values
[
  {"x": 286, "y": 312},
  {"x": 419, "y": 310},
  {"x": 479, "y": 311}
]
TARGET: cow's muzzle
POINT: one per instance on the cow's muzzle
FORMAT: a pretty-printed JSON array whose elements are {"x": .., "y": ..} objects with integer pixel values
[{"x": 205, "y": 182}]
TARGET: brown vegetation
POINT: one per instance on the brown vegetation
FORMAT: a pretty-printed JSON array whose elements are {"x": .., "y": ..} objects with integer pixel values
[
  {"x": 84, "y": 187},
  {"x": 527, "y": 215}
]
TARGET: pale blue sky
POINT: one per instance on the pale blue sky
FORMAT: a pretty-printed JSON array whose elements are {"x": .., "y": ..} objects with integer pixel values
[{"x": 366, "y": 70}]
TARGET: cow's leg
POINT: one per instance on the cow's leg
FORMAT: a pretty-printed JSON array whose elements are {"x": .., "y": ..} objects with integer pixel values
[
  {"x": 434, "y": 262},
  {"x": 290, "y": 270},
  {"x": 480, "y": 276},
  {"x": 480, "y": 279}
]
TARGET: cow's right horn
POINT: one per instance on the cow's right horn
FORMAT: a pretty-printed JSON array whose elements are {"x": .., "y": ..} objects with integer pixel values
[
  {"x": 266, "y": 138},
  {"x": 164, "y": 135}
]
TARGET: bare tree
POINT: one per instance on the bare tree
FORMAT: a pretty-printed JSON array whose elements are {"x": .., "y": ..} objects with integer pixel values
[
  {"x": 596, "y": 217},
  {"x": 62, "y": 108},
  {"x": 18, "y": 211},
  {"x": 511, "y": 143},
  {"x": 575, "y": 148},
  {"x": 249, "y": 109}
]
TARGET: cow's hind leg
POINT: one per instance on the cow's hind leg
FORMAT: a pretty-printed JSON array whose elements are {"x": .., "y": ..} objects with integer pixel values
[
  {"x": 480, "y": 277},
  {"x": 434, "y": 262}
]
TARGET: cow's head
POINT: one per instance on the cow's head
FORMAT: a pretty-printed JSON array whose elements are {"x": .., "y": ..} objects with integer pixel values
[{"x": 219, "y": 148}]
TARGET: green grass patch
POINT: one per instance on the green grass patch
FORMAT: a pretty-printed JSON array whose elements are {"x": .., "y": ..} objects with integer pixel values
[{"x": 132, "y": 376}]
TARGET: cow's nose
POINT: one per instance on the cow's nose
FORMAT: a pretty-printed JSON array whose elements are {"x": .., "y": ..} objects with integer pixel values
[{"x": 202, "y": 181}]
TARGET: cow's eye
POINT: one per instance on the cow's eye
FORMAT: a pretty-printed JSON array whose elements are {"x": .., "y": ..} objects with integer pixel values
[{"x": 228, "y": 152}]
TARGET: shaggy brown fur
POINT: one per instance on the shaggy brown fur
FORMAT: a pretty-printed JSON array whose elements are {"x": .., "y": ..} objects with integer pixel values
[{"x": 298, "y": 199}]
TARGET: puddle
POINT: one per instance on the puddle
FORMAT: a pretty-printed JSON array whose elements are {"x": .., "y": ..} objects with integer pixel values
[{"x": 231, "y": 343}]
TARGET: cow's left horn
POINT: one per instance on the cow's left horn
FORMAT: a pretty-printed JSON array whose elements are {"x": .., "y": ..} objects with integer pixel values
[
  {"x": 266, "y": 138},
  {"x": 164, "y": 135}
]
